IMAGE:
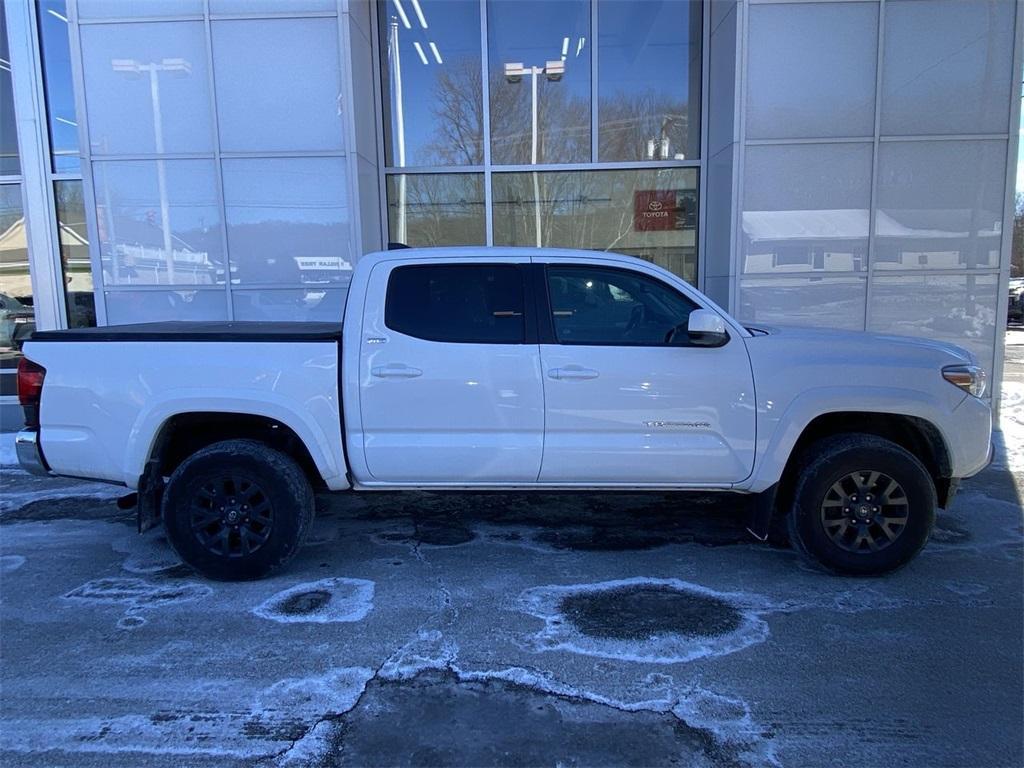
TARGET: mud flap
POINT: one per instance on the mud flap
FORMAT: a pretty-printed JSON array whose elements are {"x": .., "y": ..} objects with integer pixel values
[
  {"x": 150, "y": 497},
  {"x": 761, "y": 512}
]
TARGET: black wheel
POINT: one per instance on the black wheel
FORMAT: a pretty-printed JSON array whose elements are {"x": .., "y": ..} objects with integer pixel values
[
  {"x": 862, "y": 505},
  {"x": 237, "y": 510}
]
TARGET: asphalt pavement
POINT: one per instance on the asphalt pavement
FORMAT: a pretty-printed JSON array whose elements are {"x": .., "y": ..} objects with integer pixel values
[{"x": 512, "y": 629}]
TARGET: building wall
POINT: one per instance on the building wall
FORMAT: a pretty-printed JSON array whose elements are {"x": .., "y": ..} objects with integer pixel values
[{"x": 876, "y": 140}]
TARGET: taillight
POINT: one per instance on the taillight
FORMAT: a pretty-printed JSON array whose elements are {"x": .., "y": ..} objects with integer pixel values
[{"x": 30, "y": 389}]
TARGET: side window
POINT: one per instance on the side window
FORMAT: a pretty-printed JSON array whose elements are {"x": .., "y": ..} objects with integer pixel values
[
  {"x": 465, "y": 303},
  {"x": 598, "y": 305}
]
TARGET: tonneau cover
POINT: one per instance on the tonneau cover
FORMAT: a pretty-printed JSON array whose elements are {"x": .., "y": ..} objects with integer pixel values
[{"x": 199, "y": 330}]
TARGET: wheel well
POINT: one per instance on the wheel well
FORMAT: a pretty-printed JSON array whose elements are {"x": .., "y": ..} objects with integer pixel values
[
  {"x": 184, "y": 434},
  {"x": 918, "y": 436}
]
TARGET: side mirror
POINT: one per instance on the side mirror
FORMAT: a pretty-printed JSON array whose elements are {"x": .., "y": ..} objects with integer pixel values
[{"x": 706, "y": 329}]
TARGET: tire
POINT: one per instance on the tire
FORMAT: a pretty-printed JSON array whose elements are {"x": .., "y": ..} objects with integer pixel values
[
  {"x": 846, "y": 510},
  {"x": 237, "y": 510}
]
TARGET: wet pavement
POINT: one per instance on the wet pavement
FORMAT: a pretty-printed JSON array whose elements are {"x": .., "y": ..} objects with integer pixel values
[{"x": 512, "y": 629}]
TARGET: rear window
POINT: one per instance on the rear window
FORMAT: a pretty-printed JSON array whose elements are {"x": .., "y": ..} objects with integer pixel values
[{"x": 463, "y": 303}]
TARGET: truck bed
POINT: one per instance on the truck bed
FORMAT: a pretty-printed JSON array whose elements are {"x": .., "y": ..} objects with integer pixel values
[{"x": 199, "y": 330}]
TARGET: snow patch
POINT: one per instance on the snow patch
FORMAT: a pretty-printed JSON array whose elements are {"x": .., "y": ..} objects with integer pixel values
[
  {"x": 8, "y": 454},
  {"x": 320, "y": 602},
  {"x": 428, "y": 650},
  {"x": 138, "y": 593},
  {"x": 147, "y": 553},
  {"x": 11, "y": 500},
  {"x": 1009, "y": 440},
  {"x": 560, "y": 634},
  {"x": 334, "y": 693}
]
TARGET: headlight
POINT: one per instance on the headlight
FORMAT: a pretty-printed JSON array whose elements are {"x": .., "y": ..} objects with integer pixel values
[{"x": 970, "y": 378}]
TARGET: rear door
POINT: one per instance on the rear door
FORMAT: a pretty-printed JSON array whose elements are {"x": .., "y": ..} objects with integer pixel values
[
  {"x": 451, "y": 389},
  {"x": 629, "y": 401}
]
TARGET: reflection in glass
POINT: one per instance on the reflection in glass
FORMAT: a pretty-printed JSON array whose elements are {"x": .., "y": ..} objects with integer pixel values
[
  {"x": 436, "y": 209},
  {"x": 74, "y": 254},
  {"x": 805, "y": 208},
  {"x": 940, "y": 204},
  {"x": 277, "y": 84},
  {"x": 811, "y": 70},
  {"x": 60, "y": 96},
  {"x": 288, "y": 221},
  {"x": 110, "y": 9},
  {"x": 17, "y": 318},
  {"x": 648, "y": 79},
  {"x": 433, "y": 96},
  {"x": 313, "y": 304},
  {"x": 271, "y": 6},
  {"x": 146, "y": 87},
  {"x": 956, "y": 308},
  {"x": 9, "y": 163},
  {"x": 811, "y": 301},
  {"x": 940, "y": 71},
  {"x": 539, "y": 81},
  {"x": 153, "y": 234},
  {"x": 647, "y": 213},
  {"x": 124, "y": 307}
]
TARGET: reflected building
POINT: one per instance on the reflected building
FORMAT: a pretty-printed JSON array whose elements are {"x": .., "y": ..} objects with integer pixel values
[{"x": 837, "y": 163}]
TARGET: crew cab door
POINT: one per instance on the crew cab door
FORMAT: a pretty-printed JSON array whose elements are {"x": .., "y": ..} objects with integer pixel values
[
  {"x": 451, "y": 390},
  {"x": 624, "y": 404}
]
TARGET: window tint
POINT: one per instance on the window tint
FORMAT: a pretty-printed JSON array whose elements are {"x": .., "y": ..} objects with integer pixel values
[
  {"x": 469, "y": 303},
  {"x": 593, "y": 305}
]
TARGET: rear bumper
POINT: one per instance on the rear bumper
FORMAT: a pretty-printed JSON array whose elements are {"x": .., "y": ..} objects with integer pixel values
[{"x": 30, "y": 454}]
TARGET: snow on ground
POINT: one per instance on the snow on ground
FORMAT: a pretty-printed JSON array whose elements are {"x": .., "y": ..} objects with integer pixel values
[{"x": 8, "y": 457}]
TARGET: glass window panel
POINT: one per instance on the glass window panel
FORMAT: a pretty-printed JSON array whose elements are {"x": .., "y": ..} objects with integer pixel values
[
  {"x": 615, "y": 307},
  {"x": 288, "y": 221},
  {"x": 458, "y": 303},
  {"x": 940, "y": 204},
  {"x": 551, "y": 40},
  {"x": 947, "y": 67},
  {"x": 60, "y": 95},
  {"x": 806, "y": 208},
  {"x": 74, "y": 254},
  {"x": 436, "y": 209},
  {"x": 126, "y": 307},
  {"x": 313, "y": 304},
  {"x": 147, "y": 88},
  {"x": 433, "y": 99},
  {"x": 811, "y": 70},
  {"x": 122, "y": 9},
  {"x": 154, "y": 233},
  {"x": 10, "y": 165},
  {"x": 17, "y": 317},
  {"x": 648, "y": 79},
  {"x": 271, "y": 6},
  {"x": 955, "y": 308},
  {"x": 647, "y": 213},
  {"x": 297, "y": 102},
  {"x": 815, "y": 301}
]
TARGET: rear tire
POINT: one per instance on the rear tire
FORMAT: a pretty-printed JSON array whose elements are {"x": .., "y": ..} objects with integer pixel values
[
  {"x": 862, "y": 505},
  {"x": 237, "y": 510}
]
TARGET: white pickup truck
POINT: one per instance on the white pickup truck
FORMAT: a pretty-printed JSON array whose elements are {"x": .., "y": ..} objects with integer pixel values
[{"x": 503, "y": 368}]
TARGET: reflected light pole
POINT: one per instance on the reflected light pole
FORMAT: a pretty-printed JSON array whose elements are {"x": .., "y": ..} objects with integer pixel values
[
  {"x": 514, "y": 73},
  {"x": 396, "y": 68},
  {"x": 134, "y": 69}
]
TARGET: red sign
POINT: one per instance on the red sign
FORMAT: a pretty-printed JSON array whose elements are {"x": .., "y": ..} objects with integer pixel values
[{"x": 656, "y": 209}]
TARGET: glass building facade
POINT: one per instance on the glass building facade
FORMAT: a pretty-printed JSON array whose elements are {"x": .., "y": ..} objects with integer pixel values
[{"x": 843, "y": 163}]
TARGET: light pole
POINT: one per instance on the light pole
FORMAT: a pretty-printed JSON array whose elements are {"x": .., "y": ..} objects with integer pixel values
[
  {"x": 514, "y": 73},
  {"x": 136, "y": 68},
  {"x": 396, "y": 68}
]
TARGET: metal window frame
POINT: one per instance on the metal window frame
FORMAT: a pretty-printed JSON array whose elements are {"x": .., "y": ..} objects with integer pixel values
[{"x": 490, "y": 169}]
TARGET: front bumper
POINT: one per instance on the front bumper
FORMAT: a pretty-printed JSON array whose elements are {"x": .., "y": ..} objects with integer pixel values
[{"x": 30, "y": 454}]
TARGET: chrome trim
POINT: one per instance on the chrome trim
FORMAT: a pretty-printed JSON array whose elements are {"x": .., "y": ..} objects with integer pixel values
[{"x": 30, "y": 455}]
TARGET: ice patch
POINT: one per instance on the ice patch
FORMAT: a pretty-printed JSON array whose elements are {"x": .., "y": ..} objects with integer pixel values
[
  {"x": 320, "y": 602},
  {"x": 428, "y": 650},
  {"x": 10, "y": 563},
  {"x": 137, "y": 593},
  {"x": 147, "y": 553},
  {"x": 560, "y": 633},
  {"x": 334, "y": 692}
]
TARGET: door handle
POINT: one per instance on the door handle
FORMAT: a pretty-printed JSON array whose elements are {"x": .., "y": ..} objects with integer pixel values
[
  {"x": 573, "y": 372},
  {"x": 396, "y": 371}
]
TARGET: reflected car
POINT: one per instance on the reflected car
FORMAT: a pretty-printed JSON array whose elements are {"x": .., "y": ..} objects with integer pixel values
[
  {"x": 17, "y": 321},
  {"x": 1015, "y": 306}
]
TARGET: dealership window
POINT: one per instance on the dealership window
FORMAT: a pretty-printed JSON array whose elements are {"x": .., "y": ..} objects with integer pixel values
[{"x": 544, "y": 138}]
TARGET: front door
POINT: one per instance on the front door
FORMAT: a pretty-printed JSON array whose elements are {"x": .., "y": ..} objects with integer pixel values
[
  {"x": 628, "y": 400},
  {"x": 451, "y": 390}
]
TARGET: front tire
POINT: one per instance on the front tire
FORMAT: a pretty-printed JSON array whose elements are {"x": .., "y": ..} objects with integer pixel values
[
  {"x": 237, "y": 510},
  {"x": 862, "y": 505}
]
